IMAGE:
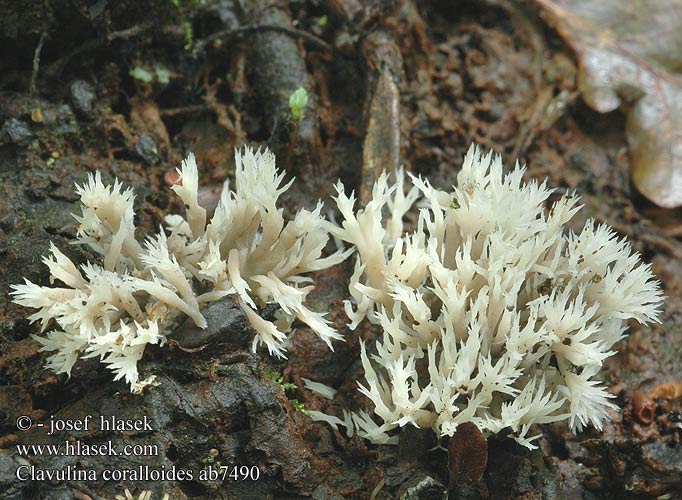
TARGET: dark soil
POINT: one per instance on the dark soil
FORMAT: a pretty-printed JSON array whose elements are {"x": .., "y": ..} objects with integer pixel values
[{"x": 390, "y": 82}]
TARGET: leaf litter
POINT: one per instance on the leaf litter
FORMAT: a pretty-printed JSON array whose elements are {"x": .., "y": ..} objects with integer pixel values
[{"x": 631, "y": 58}]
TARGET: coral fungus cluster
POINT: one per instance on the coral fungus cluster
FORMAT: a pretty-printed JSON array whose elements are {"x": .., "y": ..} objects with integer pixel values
[
  {"x": 489, "y": 311},
  {"x": 113, "y": 309}
]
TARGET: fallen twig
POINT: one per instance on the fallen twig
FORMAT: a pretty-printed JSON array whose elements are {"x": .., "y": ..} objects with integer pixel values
[
  {"x": 138, "y": 29},
  {"x": 201, "y": 44},
  {"x": 192, "y": 108},
  {"x": 36, "y": 63},
  {"x": 129, "y": 32}
]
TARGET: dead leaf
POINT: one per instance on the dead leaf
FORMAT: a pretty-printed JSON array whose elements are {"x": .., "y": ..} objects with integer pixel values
[
  {"x": 631, "y": 54},
  {"x": 467, "y": 454}
]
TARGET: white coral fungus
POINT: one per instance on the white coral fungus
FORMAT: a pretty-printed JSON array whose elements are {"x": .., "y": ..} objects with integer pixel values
[
  {"x": 490, "y": 313},
  {"x": 114, "y": 309}
]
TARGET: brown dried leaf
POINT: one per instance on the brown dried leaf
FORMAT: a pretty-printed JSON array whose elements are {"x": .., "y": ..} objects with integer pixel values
[
  {"x": 631, "y": 53},
  {"x": 643, "y": 407},
  {"x": 467, "y": 454},
  {"x": 666, "y": 390}
]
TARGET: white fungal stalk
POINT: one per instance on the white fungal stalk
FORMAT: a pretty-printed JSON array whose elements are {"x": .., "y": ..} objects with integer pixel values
[{"x": 114, "y": 309}]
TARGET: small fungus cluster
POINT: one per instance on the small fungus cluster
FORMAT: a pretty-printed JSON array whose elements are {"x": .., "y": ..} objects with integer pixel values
[{"x": 114, "y": 308}]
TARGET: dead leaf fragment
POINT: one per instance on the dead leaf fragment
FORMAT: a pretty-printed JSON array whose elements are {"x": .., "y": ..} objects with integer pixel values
[
  {"x": 631, "y": 54},
  {"x": 467, "y": 454},
  {"x": 666, "y": 390},
  {"x": 643, "y": 407}
]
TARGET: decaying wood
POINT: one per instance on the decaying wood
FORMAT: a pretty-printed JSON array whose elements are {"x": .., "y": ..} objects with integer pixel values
[
  {"x": 381, "y": 147},
  {"x": 277, "y": 67}
]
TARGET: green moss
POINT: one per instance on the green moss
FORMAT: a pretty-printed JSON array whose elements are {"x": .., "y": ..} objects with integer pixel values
[
  {"x": 276, "y": 377},
  {"x": 298, "y": 406}
]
